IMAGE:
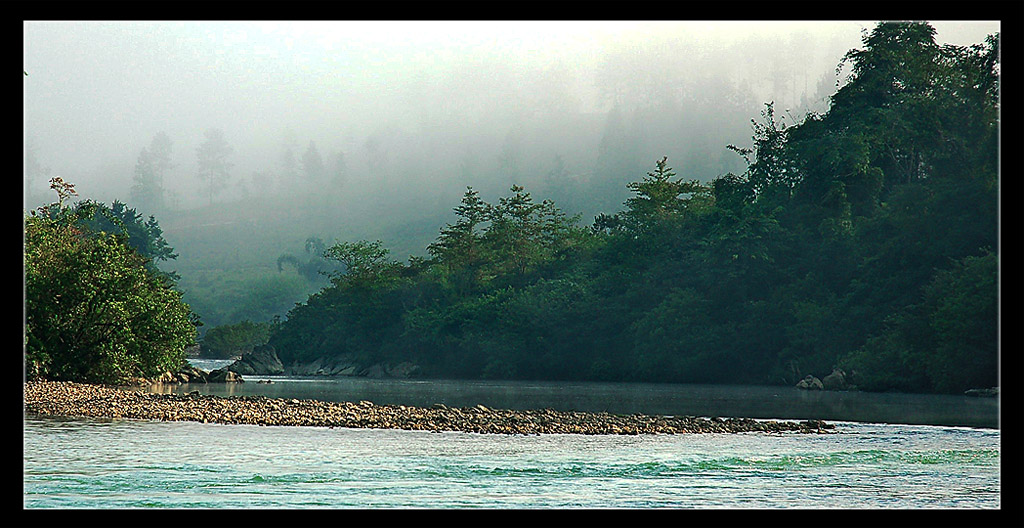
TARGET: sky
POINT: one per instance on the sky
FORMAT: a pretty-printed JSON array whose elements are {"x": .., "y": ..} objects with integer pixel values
[{"x": 442, "y": 96}]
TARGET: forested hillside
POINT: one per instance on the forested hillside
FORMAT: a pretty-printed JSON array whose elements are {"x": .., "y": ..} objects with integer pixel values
[{"x": 864, "y": 237}]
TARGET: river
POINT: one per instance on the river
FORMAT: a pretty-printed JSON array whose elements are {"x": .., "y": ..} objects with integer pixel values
[{"x": 865, "y": 464}]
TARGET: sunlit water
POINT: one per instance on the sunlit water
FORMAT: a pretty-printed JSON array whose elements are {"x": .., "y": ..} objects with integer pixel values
[{"x": 97, "y": 463}]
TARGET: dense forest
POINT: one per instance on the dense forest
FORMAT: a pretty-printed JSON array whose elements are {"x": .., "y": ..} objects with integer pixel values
[{"x": 863, "y": 237}]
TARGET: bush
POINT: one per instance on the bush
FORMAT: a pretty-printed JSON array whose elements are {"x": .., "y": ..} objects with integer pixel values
[{"x": 94, "y": 312}]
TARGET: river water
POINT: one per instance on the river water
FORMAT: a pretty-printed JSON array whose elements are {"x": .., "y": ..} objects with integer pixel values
[{"x": 865, "y": 464}]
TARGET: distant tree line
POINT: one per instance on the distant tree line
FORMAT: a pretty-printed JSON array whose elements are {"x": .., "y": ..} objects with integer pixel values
[{"x": 864, "y": 238}]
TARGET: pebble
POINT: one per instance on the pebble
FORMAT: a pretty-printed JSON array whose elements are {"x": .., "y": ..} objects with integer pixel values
[{"x": 76, "y": 399}]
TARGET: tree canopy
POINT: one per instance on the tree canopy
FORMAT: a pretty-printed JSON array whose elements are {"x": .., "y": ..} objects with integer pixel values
[{"x": 95, "y": 310}]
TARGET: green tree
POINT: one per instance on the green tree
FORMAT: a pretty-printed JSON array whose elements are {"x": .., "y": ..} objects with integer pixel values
[
  {"x": 660, "y": 197},
  {"x": 365, "y": 264},
  {"x": 962, "y": 309},
  {"x": 144, "y": 236},
  {"x": 94, "y": 312},
  {"x": 770, "y": 173},
  {"x": 524, "y": 235},
  {"x": 459, "y": 246}
]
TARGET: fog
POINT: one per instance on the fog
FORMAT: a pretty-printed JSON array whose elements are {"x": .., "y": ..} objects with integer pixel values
[{"x": 405, "y": 115}]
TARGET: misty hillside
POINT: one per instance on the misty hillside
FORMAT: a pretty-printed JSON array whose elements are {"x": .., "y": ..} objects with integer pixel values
[{"x": 246, "y": 139}]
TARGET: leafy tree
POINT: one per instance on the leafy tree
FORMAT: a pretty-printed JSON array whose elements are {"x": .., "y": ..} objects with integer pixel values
[
  {"x": 144, "y": 236},
  {"x": 459, "y": 247},
  {"x": 365, "y": 264},
  {"x": 948, "y": 342},
  {"x": 94, "y": 312},
  {"x": 770, "y": 171},
  {"x": 660, "y": 198},
  {"x": 214, "y": 167}
]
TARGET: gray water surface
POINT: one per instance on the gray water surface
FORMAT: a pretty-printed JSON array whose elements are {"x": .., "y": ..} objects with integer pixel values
[{"x": 625, "y": 398}]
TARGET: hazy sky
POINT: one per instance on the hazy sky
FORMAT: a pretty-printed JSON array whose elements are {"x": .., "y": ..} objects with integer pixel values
[{"x": 97, "y": 92}]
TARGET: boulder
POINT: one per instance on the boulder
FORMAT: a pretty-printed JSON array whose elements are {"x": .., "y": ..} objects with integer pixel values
[
  {"x": 262, "y": 360},
  {"x": 224, "y": 375},
  {"x": 191, "y": 374},
  {"x": 810, "y": 383},
  {"x": 835, "y": 381}
]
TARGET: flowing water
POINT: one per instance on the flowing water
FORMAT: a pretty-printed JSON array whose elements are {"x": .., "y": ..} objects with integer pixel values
[{"x": 100, "y": 463}]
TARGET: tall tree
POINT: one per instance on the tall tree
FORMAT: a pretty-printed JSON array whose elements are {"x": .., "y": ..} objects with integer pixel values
[
  {"x": 214, "y": 167},
  {"x": 458, "y": 247},
  {"x": 661, "y": 197}
]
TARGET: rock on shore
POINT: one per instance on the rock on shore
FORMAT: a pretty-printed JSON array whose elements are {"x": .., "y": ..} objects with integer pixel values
[
  {"x": 75, "y": 399},
  {"x": 263, "y": 361}
]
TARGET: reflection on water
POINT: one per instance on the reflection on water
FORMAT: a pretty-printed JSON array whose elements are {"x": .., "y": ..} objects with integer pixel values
[{"x": 626, "y": 398}]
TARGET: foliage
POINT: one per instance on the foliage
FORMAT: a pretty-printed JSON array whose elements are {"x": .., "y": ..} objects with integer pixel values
[
  {"x": 94, "y": 311},
  {"x": 144, "y": 236},
  {"x": 860, "y": 237}
]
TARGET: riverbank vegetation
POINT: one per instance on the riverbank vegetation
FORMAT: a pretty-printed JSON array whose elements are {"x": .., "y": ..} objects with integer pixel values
[
  {"x": 864, "y": 237},
  {"x": 96, "y": 307}
]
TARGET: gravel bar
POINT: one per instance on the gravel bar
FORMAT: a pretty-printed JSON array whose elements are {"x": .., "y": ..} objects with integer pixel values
[{"x": 77, "y": 399}]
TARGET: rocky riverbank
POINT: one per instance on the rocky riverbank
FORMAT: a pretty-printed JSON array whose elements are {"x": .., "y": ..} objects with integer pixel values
[{"x": 75, "y": 399}]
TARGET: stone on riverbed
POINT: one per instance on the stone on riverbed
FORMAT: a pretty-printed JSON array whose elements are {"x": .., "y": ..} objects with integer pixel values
[
  {"x": 262, "y": 360},
  {"x": 223, "y": 375},
  {"x": 76, "y": 399},
  {"x": 810, "y": 383}
]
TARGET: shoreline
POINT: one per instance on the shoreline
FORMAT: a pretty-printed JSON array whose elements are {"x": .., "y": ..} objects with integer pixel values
[{"x": 100, "y": 401}]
